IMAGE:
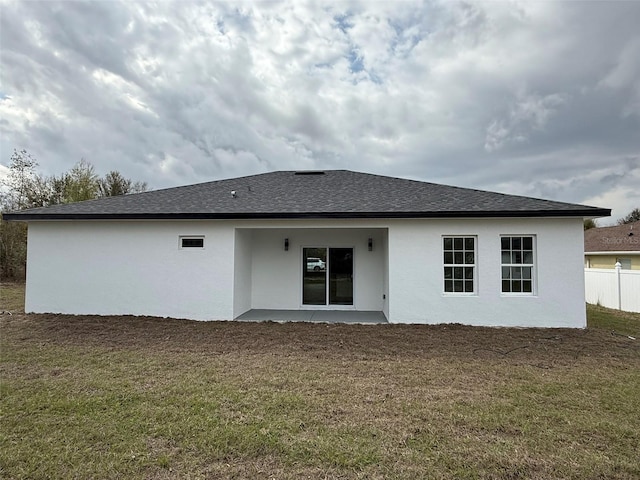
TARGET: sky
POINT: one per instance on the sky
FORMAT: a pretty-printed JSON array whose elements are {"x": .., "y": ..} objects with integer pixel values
[{"x": 531, "y": 98}]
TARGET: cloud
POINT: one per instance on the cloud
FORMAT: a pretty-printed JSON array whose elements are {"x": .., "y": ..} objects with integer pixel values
[
  {"x": 625, "y": 76},
  {"x": 538, "y": 98},
  {"x": 529, "y": 112}
]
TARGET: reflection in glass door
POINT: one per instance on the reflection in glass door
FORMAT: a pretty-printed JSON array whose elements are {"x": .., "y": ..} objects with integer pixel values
[
  {"x": 337, "y": 264},
  {"x": 314, "y": 285}
]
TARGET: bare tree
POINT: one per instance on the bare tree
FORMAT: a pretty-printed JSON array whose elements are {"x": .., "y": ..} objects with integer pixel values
[
  {"x": 16, "y": 195},
  {"x": 633, "y": 216},
  {"x": 19, "y": 182},
  {"x": 113, "y": 183}
]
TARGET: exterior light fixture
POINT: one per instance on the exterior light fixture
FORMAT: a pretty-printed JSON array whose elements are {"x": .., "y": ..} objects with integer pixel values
[
  {"x": 370, "y": 244},
  {"x": 286, "y": 244}
]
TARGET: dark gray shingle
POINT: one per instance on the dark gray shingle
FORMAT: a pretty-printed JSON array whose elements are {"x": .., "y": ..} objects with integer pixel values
[{"x": 328, "y": 194}]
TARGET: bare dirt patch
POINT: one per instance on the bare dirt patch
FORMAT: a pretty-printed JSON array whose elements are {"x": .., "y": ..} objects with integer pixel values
[{"x": 543, "y": 348}]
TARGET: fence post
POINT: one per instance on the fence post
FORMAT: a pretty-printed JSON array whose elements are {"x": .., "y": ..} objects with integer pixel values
[{"x": 618, "y": 268}]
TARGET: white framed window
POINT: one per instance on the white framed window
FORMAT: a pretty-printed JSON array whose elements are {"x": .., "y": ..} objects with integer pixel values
[
  {"x": 191, "y": 242},
  {"x": 518, "y": 264},
  {"x": 625, "y": 263},
  {"x": 459, "y": 256}
]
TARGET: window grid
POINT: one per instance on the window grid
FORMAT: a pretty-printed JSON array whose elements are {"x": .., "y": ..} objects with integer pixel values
[
  {"x": 517, "y": 264},
  {"x": 459, "y": 264}
]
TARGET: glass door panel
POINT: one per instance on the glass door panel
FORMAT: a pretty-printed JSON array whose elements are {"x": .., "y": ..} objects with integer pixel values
[
  {"x": 314, "y": 283},
  {"x": 341, "y": 276}
]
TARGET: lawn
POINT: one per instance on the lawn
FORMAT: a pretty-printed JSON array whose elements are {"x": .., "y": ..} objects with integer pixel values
[{"x": 132, "y": 397}]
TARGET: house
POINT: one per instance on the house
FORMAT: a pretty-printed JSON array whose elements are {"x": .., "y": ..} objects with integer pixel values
[
  {"x": 605, "y": 246},
  {"x": 413, "y": 252}
]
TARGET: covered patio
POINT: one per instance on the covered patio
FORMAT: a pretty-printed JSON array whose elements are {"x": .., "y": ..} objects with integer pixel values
[{"x": 335, "y": 273}]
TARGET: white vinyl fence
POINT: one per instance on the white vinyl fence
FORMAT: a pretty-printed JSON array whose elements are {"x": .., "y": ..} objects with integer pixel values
[{"x": 613, "y": 288}]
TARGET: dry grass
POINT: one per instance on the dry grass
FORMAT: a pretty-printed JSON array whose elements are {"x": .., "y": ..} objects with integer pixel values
[
  {"x": 131, "y": 397},
  {"x": 12, "y": 297}
]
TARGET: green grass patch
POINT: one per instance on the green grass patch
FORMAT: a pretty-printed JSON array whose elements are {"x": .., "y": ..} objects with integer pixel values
[{"x": 626, "y": 323}]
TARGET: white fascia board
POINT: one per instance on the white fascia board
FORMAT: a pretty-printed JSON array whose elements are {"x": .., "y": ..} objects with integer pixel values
[{"x": 615, "y": 252}]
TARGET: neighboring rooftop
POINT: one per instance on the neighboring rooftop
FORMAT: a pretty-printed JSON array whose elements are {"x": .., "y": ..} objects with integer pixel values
[
  {"x": 621, "y": 238},
  {"x": 310, "y": 194}
]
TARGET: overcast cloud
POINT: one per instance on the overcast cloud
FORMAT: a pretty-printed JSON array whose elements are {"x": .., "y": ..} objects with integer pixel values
[{"x": 532, "y": 98}]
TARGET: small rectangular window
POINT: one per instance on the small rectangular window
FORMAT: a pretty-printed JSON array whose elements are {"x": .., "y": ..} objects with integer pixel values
[
  {"x": 625, "y": 263},
  {"x": 517, "y": 254},
  {"x": 191, "y": 242},
  {"x": 459, "y": 264}
]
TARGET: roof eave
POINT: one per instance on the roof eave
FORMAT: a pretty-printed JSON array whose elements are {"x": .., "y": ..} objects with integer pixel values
[{"x": 25, "y": 216}]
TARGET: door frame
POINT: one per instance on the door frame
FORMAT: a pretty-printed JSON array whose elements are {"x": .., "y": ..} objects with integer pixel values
[{"x": 327, "y": 305}]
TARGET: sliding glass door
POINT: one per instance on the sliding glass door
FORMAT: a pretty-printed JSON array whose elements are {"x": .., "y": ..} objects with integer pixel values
[
  {"x": 327, "y": 274},
  {"x": 314, "y": 283},
  {"x": 341, "y": 276}
]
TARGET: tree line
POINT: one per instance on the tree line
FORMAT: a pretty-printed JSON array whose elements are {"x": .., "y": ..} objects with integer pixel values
[
  {"x": 25, "y": 187},
  {"x": 632, "y": 217}
]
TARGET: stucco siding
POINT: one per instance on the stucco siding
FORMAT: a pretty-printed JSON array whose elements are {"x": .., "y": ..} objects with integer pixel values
[
  {"x": 385, "y": 274},
  {"x": 416, "y": 274},
  {"x": 277, "y": 274},
  {"x": 242, "y": 286},
  {"x": 135, "y": 268},
  {"x": 138, "y": 268}
]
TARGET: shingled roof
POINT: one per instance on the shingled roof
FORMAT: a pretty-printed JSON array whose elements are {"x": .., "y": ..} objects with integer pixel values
[
  {"x": 621, "y": 238},
  {"x": 310, "y": 194}
]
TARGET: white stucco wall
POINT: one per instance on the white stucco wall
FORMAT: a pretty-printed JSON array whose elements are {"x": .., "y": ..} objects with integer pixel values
[
  {"x": 385, "y": 278},
  {"x": 138, "y": 268},
  {"x": 132, "y": 268},
  {"x": 277, "y": 274},
  {"x": 416, "y": 274},
  {"x": 242, "y": 285}
]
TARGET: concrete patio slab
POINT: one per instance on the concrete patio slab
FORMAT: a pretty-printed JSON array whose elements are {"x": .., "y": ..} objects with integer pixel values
[{"x": 320, "y": 316}]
